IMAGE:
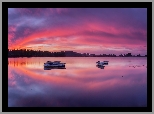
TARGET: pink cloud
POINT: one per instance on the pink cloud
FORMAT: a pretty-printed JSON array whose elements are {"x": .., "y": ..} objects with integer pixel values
[{"x": 80, "y": 28}]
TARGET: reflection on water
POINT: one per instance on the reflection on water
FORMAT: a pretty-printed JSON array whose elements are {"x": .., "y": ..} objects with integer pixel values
[
  {"x": 101, "y": 67},
  {"x": 122, "y": 83},
  {"x": 49, "y": 68}
]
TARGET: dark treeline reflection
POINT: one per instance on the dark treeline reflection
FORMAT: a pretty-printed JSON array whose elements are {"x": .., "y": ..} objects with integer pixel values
[{"x": 19, "y": 63}]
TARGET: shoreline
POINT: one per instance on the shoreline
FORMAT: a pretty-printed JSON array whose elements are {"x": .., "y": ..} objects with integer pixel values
[{"x": 64, "y": 57}]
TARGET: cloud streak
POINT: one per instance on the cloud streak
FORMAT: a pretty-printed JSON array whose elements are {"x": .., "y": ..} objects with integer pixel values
[{"x": 75, "y": 27}]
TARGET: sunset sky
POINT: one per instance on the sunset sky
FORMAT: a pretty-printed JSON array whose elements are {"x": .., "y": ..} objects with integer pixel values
[{"x": 84, "y": 30}]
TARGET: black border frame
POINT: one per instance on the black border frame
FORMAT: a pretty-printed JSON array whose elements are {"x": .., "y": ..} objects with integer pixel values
[{"x": 6, "y": 5}]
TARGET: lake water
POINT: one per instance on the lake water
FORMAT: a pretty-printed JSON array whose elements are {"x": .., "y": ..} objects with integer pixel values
[{"x": 122, "y": 83}]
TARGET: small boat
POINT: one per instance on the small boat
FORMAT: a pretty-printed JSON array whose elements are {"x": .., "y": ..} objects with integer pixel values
[
  {"x": 54, "y": 64},
  {"x": 102, "y": 63}
]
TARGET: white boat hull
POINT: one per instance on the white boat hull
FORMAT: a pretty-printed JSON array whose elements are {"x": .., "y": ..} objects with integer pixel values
[{"x": 54, "y": 64}]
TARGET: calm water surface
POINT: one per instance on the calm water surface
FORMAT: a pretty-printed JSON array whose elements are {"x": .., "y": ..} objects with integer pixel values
[{"x": 122, "y": 83}]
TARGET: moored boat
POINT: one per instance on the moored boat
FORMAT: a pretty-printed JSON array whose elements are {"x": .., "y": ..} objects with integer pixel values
[
  {"x": 54, "y": 64},
  {"x": 102, "y": 63}
]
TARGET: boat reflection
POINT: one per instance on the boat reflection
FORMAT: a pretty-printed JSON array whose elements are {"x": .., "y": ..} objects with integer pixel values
[
  {"x": 49, "y": 68},
  {"x": 101, "y": 67}
]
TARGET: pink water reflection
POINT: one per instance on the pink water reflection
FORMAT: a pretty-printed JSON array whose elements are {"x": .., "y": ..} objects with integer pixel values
[{"x": 80, "y": 84}]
